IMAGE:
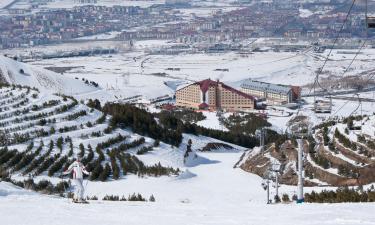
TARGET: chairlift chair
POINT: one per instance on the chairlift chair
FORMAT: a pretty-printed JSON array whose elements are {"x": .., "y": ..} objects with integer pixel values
[{"x": 370, "y": 21}]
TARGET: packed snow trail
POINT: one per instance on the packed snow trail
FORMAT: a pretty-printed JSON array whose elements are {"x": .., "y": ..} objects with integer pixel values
[
  {"x": 16, "y": 209},
  {"x": 213, "y": 193}
]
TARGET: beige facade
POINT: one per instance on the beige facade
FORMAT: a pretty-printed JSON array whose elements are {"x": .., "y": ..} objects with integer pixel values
[
  {"x": 273, "y": 98},
  {"x": 272, "y": 93},
  {"x": 189, "y": 97},
  {"x": 213, "y": 95}
]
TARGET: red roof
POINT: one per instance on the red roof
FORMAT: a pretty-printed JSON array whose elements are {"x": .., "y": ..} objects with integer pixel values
[
  {"x": 203, "y": 105},
  {"x": 239, "y": 92},
  {"x": 205, "y": 84}
]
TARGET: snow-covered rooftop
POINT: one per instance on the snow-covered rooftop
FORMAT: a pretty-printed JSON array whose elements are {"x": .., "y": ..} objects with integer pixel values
[{"x": 263, "y": 86}]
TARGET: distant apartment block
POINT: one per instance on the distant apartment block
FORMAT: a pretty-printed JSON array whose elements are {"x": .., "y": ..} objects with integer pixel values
[
  {"x": 86, "y": 1},
  {"x": 273, "y": 93},
  {"x": 213, "y": 95}
]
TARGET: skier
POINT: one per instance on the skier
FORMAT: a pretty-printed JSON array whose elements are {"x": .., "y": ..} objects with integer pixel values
[{"x": 78, "y": 170}]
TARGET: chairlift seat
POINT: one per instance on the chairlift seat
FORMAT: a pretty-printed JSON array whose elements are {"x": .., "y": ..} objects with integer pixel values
[{"x": 371, "y": 21}]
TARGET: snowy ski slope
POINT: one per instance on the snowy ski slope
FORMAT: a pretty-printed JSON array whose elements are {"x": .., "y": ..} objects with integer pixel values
[{"x": 15, "y": 72}]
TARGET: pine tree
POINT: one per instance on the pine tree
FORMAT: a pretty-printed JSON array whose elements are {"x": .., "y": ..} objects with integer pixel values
[
  {"x": 105, "y": 173},
  {"x": 81, "y": 150},
  {"x": 71, "y": 148},
  {"x": 52, "y": 130},
  {"x": 59, "y": 143},
  {"x": 285, "y": 198},
  {"x": 115, "y": 167},
  {"x": 156, "y": 143},
  {"x": 277, "y": 199},
  {"x": 188, "y": 148},
  {"x": 152, "y": 198}
]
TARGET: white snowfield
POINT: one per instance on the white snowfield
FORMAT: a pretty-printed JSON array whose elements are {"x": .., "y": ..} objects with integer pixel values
[
  {"x": 16, "y": 72},
  {"x": 218, "y": 194},
  {"x": 4, "y": 3},
  {"x": 138, "y": 72}
]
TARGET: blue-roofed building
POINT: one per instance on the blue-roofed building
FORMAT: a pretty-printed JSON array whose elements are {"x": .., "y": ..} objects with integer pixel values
[{"x": 277, "y": 94}]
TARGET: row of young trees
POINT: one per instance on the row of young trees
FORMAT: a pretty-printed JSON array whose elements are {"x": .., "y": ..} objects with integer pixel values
[
  {"x": 369, "y": 143},
  {"x": 170, "y": 128},
  {"x": 43, "y": 186},
  {"x": 141, "y": 122},
  {"x": 41, "y": 115},
  {"x": 10, "y": 99},
  {"x": 247, "y": 123},
  {"x": 317, "y": 158},
  {"x": 345, "y": 141},
  {"x": 133, "y": 197},
  {"x": 14, "y": 105},
  {"x": 185, "y": 115},
  {"x": 341, "y": 195}
]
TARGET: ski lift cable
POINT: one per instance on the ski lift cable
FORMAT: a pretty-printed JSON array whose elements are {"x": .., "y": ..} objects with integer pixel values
[
  {"x": 359, "y": 104},
  {"x": 360, "y": 49},
  {"x": 333, "y": 45},
  {"x": 316, "y": 82},
  {"x": 359, "y": 101},
  {"x": 353, "y": 96},
  {"x": 350, "y": 64},
  {"x": 354, "y": 58}
]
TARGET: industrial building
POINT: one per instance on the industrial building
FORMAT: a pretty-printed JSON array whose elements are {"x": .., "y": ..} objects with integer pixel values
[
  {"x": 213, "y": 95},
  {"x": 274, "y": 94}
]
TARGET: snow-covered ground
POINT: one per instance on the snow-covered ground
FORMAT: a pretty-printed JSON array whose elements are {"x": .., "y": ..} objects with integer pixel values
[
  {"x": 128, "y": 74},
  {"x": 16, "y": 72},
  {"x": 217, "y": 194},
  {"x": 4, "y": 3},
  {"x": 131, "y": 69},
  {"x": 135, "y": 71},
  {"x": 211, "y": 121}
]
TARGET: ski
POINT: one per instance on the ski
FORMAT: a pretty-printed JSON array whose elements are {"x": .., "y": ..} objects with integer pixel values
[{"x": 80, "y": 202}]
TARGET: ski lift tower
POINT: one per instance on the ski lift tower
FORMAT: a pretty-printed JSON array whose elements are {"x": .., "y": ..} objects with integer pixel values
[
  {"x": 275, "y": 168},
  {"x": 300, "y": 128},
  {"x": 300, "y": 197},
  {"x": 266, "y": 185}
]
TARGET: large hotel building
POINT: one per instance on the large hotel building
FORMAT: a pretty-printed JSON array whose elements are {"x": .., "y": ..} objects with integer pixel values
[
  {"x": 213, "y": 95},
  {"x": 274, "y": 94}
]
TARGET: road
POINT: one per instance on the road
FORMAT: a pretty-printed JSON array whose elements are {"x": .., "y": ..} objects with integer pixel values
[
  {"x": 344, "y": 92},
  {"x": 354, "y": 99}
]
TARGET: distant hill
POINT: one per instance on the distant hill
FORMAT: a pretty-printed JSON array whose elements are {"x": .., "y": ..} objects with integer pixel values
[{"x": 14, "y": 72}]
